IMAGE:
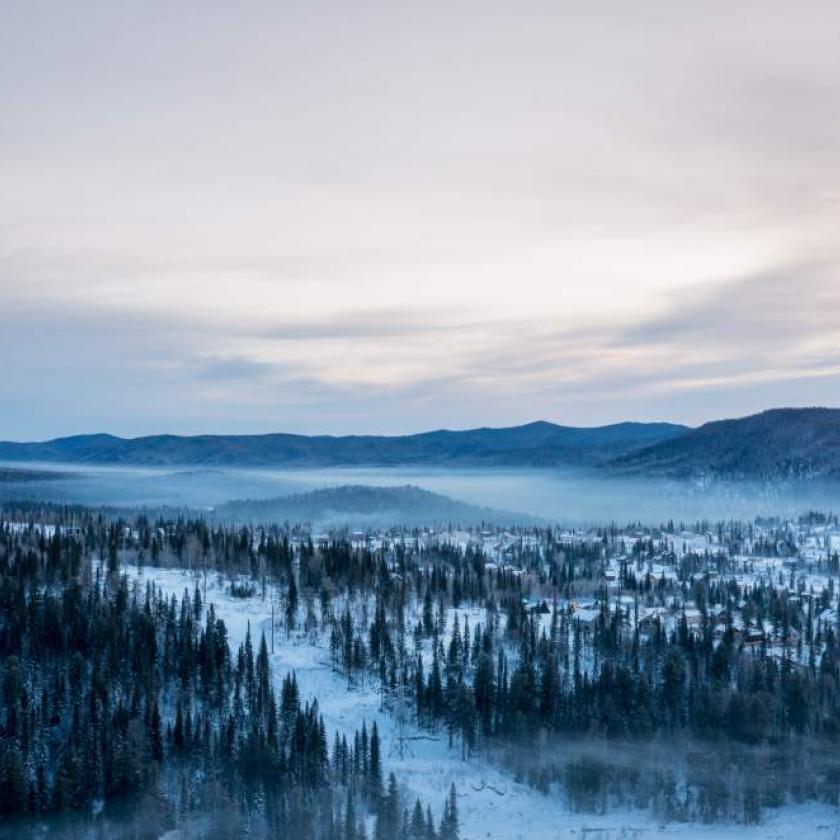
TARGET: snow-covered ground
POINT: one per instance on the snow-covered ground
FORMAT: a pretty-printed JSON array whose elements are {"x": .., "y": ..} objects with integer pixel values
[{"x": 491, "y": 804}]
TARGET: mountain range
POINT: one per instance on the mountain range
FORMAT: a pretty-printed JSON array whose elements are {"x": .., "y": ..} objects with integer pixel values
[
  {"x": 534, "y": 444},
  {"x": 801, "y": 443}
]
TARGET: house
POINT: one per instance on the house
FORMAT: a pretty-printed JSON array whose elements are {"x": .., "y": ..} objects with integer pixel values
[
  {"x": 718, "y": 612},
  {"x": 753, "y": 636},
  {"x": 538, "y": 607},
  {"x": 584, "y": 604},
  {"x": 586, "y": 618},
  {"x": 693, "y": 618},
  {"x": 652, "y": 618}
]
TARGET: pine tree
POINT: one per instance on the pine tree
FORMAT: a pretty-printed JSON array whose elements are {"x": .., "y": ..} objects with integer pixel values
[
  {"x": 449, "y": 820},
  {"x": 373, "y": 786},
  {"x": 155, "y": 734},
  {"x": 418, "y": 822},
  {"x": 291, "y": 604}
]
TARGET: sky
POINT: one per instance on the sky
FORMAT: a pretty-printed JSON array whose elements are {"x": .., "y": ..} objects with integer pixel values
[{"x": 390, "y": 217}]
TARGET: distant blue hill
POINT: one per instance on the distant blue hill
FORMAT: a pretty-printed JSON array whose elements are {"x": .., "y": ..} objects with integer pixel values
[
  {"x": 360, "y": 505},
  {"x": 539, "y": 444}
]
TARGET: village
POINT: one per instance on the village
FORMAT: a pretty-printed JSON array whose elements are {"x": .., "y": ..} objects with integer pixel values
[{"x": 663, "y": 580}]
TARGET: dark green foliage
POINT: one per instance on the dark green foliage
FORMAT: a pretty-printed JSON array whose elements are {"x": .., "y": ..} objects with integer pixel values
[{"x": 114, "y": 694}]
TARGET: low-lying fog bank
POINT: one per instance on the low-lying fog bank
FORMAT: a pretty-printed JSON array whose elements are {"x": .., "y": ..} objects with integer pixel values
[{"x": 562, "y": 496}]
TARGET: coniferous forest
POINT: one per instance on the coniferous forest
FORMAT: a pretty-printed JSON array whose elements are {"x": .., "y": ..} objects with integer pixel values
[
  {"x": 616, "y": 668},
  {"x": 117, "y": 697}
]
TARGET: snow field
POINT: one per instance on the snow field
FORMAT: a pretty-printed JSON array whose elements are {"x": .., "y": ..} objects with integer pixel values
[{"x": 490, "y": 803}]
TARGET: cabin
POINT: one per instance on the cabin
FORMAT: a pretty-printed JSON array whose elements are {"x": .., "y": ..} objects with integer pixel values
[
  {"x": 753, "y": 636},
  {"x": 586, "y": 618},
  {"x": 536, "y": 607},
  {"x": 652, "y": 618},
  {"x": 693, "y": 618}
]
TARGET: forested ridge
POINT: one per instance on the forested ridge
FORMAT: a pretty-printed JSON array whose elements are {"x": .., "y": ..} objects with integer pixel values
[{"x": 781, "y": 444}]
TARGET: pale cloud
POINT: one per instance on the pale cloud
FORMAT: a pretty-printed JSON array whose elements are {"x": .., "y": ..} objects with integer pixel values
[{"x": 409, "y": 216}]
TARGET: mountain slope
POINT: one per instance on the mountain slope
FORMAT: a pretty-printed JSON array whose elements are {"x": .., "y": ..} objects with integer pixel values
[
  {"x": 782, "y": 443},
  {"x": 534, "y": 444}
]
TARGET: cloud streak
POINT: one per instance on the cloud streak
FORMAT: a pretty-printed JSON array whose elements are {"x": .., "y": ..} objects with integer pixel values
[{"x": 773, "y": 331}]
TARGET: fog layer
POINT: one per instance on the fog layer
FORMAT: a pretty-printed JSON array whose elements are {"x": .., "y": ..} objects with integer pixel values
[{"x": 575, "y": 498}]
